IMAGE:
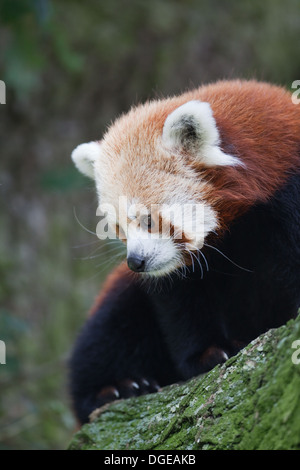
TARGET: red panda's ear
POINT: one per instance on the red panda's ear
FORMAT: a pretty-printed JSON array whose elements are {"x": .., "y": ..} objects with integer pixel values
[
  {"x": 192, "y": 128},
  {"x": 84, "y": 157}
]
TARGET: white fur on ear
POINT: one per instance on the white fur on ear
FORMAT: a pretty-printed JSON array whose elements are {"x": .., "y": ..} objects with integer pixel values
[
  {"x": 84, "y": 157},
  {"x": 192, "y": 127}
]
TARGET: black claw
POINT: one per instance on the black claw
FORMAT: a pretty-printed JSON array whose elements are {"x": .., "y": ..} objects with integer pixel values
[
  {"x": 154, "y": 386},
  {"x": 211, "y": 357},
  {"x": 108, "y": 394},
  {"x": 127, "y": 388}
]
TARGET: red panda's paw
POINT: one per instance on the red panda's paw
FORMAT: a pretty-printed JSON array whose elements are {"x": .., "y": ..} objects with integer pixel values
[
  {"x": 127, "y": 388},
  {"x": 211, "y": 357},
  {"x": 215, "y": 355}
]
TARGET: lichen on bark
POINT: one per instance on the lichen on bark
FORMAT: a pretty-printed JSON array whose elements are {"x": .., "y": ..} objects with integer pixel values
[{"x": 250, "y": 402}]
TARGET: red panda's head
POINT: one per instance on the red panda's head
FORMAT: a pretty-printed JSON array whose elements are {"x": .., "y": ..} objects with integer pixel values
[{"x": 171, "y": 172}]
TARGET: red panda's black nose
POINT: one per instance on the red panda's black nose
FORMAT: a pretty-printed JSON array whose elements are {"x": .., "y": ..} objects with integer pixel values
[{"x": 135, "y": 263}]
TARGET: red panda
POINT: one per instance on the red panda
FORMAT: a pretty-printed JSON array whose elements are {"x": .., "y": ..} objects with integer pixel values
[{"x": 198, "y": 285}]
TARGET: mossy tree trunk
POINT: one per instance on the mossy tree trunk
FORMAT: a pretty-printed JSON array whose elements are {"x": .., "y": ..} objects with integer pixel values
[{"x": 250, "y": 402}]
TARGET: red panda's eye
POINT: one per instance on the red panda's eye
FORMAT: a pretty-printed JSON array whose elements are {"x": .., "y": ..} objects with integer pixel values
[{"x": 146, "y": 222}]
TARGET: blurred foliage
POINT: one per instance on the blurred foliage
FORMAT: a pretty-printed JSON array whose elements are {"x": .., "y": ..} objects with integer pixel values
[{"x": 70, "y": 68}]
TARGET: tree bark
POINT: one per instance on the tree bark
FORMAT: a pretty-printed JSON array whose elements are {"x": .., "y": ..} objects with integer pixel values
[{"x": 250, "y": 402}]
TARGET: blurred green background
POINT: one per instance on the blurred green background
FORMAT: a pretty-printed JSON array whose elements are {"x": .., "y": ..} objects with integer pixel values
[{"x": 70, "y": 68}]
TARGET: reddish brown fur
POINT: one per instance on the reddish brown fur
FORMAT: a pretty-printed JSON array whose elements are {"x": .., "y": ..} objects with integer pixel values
[
  {"x": 121, "y": 272},
  {"x": 264, "y": 125},
  {"x": 257, "y": 122}
]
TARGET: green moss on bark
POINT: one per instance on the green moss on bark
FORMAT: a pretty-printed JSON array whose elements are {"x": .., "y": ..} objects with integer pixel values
[{"x": 250, "y": 402}]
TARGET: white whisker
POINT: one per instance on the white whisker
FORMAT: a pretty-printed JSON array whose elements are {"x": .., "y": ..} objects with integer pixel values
[
  {"x": 226, "y": 257},
  {"x": 190, "y": 253},
  {"x": 84, "y": 245},
  {"x": 199, "y": 262},
  {"x": 81, "y": 225},
  {"x": 205, "y": 260}
]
